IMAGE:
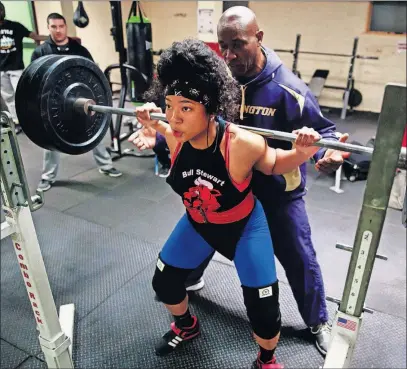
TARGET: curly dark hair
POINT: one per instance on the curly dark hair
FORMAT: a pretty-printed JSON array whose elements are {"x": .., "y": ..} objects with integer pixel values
[{"x": 192, "y": 60}]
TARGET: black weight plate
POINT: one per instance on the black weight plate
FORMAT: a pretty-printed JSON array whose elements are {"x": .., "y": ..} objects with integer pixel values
[
  {"x": 355, "y": 98},
  {"x": 27, "y": 102},
  {"x": 68, "y": 78},
  {"x": 34, "y": 83}
]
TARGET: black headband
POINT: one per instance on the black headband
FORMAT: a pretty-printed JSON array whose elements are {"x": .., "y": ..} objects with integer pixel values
[{"x": 189, "y": 91}]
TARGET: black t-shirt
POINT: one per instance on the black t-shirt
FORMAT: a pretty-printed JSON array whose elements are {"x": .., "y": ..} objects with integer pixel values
[
  {"x": 11, "y": 45},
  {"x": 201, "y": 178},
  {"x": 73, "y": 47}
]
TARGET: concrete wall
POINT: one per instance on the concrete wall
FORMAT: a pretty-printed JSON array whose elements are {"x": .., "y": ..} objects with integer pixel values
[{"x": 324, "y": 26}]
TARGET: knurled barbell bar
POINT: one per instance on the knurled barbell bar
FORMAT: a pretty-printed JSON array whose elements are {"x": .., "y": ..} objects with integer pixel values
[
  {"x": 89, "y": 107},
  {"x": 64, "y": 103}
]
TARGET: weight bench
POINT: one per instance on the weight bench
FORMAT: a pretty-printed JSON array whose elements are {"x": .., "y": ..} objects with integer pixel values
[{"x": 317, "y": 83}]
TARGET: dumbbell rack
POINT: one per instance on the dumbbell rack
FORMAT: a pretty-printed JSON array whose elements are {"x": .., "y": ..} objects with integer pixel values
[
  {"x": 348, "y": 318},
  {"x": 55, "y": 334}
]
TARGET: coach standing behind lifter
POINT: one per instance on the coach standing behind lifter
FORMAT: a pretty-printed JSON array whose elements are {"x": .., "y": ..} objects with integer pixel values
[{"x": 274, "y": 98}]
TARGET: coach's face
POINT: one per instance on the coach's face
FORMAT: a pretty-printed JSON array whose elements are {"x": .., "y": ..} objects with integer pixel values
[{"x": 239, "y": 48}]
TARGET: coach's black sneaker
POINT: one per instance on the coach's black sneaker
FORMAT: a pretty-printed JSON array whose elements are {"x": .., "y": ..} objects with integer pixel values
[
  {"x": 322, "y": 335},
  {"x": 193, "y": 286},
  {"x": 164, "y": 171},
  {"x": 175, "y": 337}
]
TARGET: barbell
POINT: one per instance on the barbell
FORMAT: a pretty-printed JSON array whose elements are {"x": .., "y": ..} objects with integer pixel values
[
  {"x": 64, "y": 103},
  {"x": 90, "y": 107}
]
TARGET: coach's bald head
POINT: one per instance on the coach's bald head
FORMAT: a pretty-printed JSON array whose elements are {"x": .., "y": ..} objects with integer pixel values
[{"x": 240, "y": 39}]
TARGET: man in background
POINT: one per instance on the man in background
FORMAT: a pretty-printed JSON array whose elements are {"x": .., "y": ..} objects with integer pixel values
[
  {"x": 58, "y": 43},
  {"x": 11, "y": 58}
]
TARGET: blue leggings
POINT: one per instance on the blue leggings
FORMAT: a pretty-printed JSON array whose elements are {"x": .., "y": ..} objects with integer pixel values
[{"x": 254, "y": 258}]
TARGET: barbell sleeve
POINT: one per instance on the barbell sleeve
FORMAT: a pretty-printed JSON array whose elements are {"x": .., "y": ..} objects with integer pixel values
[{"x": 88, "y": 106}]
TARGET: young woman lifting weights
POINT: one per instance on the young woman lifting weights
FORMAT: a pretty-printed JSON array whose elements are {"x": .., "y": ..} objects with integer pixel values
[{"x": 212, "y": 162}]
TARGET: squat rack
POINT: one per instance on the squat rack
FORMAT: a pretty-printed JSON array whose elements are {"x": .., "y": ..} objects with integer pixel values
[
  {"x": 55, "y": 334},
  {"x": 348, "y": 317},
  {"x": 350, "y": 81}
]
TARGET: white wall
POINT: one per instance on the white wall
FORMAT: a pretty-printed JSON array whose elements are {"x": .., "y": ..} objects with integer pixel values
[
  {"x": 331, "y": 27},
  {"x": 324, "y": 26}
]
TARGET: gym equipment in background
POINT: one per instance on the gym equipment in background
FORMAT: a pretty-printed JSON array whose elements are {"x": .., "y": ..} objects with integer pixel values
[
  {"x": 115, "y": 126},
  {"x": 80, "y": 18},
  {"x": 351, "y": 97},
  {"x": 295, "y": 54},
  {"x": 317, "y": 82},
  {"x": 357, "y": 165},
  {"x": 139, "y": 51}
]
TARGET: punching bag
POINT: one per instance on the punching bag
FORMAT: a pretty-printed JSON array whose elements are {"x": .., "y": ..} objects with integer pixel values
[
  {"x": 139, "y": 51},
  {"x": 80, "y": 18}
]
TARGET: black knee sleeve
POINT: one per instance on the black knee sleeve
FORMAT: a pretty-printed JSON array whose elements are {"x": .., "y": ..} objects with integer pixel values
[
  {"x": 263, "y": 310},
  {"x": 169, "y": 283}
]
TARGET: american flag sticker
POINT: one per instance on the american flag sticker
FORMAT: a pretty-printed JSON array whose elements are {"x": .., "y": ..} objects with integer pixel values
[{"x": 347, "y": 324}]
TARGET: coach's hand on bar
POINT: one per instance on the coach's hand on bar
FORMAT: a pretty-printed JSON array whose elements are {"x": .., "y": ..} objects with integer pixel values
[
  {"x": 332, "y": 159},
  {"x": 143, "y": 115},
  {"x": 145, "y": 138}
]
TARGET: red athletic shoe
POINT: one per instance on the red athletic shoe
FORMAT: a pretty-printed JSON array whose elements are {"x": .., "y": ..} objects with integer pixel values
[
  {"x": 175, "y": 337},
  {"x": 272, "y": 364}
]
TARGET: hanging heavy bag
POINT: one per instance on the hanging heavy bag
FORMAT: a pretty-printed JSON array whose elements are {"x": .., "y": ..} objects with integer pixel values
[
  {"x": 139, "y": 50},
  {"x": 80, "y": 18}
]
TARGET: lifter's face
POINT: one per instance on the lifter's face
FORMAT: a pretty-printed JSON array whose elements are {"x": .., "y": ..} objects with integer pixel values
[
  {"x": 239, "y": 48},
  {"x": 58, "y": 30},
  {"x": 188, "y": 119}
]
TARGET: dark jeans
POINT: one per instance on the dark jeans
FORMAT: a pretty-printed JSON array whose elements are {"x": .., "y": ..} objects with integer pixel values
[
  {"x": 162, "y": 151},
  {"x": 163, "y": 156}
]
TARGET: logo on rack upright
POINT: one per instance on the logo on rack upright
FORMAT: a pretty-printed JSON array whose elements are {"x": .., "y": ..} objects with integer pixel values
[{"x": 31, "y": 289}]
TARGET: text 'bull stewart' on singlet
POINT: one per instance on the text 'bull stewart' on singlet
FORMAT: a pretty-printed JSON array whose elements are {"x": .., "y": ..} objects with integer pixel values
[{"x": 217, "y": 207}]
